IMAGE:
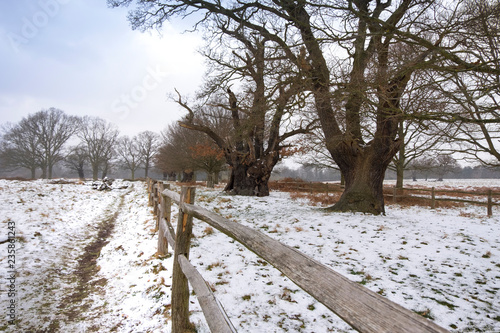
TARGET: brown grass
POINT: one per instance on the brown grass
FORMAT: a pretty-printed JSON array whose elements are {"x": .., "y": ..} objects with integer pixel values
[
  {"x": 319, "y": 194},
  {"x": 208, "y": 231},
  {"x": 409, "y": 201},
  {"x": 316, "y": 199}
]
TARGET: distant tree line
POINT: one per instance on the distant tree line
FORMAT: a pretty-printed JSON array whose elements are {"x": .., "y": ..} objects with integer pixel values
[
  {"x": 49, "y": 137},
  {"x": 82, "y": 145},
  {"x": 432, "y": 172}
]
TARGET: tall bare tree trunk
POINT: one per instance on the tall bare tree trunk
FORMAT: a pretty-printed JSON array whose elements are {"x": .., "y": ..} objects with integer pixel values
[
  {"x": 44, "y": 171},
  {"x": 95, "y": 171},
  {"x": 146, "y": 170},
  {"x": 210, "y": 180},
  {"x": 81, "y": 173}
]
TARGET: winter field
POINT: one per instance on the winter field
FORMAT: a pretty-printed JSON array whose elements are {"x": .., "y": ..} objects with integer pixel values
[{"x": 86, "y": 262}]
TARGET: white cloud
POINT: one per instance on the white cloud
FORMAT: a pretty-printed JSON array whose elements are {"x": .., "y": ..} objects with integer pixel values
[{"x": 87, "y": 60}]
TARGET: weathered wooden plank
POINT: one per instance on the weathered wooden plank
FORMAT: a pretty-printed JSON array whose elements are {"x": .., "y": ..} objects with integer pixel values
[
  {"x": 165, "y": 212},
  {"x": 150, "y": 191},
  {"x": 156, "y": 199},
  {"x": 364, "y": 310},
  {"x": 214, "y": 314},
  {"x": 172, "y": 195},
  {"x": 162, "y": 239},
  {"x": 433, "y": 199},
  {"x": 445, "y": 191},
  {"x": 161, "y": 203},
  {"x": 450, "y": 200},
  {"x": 180, "y": 287},
  {"x": 168, "y": 233}
]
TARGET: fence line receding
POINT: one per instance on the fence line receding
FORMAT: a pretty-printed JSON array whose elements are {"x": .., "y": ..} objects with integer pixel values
[{"x": 363, "y": 309}]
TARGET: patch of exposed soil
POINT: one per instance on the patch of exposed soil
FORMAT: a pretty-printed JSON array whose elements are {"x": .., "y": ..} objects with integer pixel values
[{"x": 74, "y": 305}]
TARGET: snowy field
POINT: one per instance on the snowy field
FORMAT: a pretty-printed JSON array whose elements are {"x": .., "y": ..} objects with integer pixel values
[{"x": 443, "y": 263}]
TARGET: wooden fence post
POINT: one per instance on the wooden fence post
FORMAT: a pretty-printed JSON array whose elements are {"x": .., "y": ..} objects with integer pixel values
[
  {"x": 159, "y": 212},
  {"x": 156, "y": 200},
  {"x": 165, "y": 213},
  {"x": 490, "y": 201},
  {"x": 150, "y": 191},
  {"x": 433, "y": 198},
  {"x": 180, "y": 286}
]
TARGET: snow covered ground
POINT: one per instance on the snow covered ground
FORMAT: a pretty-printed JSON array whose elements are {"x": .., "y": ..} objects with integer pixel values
[{"x": 443, "y": 263}]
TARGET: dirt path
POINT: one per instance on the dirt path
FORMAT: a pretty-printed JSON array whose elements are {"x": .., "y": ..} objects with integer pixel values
[
  {"x": 74, "y": 305},
  {"x": 69, "y": 285},
  {"x": 86, "y": 260}
]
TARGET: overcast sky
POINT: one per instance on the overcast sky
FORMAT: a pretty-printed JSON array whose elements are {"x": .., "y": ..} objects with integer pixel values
[{"x": 82, "y": 57}]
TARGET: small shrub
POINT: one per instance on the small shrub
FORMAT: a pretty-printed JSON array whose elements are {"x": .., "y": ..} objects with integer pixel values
[
  {"x": 426, "y": 313},
  {"x": 215, "y": 264},
  {"x": 208, "y": 231}
]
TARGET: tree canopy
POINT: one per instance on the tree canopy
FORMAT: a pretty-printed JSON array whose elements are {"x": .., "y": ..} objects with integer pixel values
[{"x": 356, "y": 59}]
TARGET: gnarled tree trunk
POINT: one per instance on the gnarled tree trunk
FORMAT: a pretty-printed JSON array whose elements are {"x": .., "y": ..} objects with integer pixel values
[
  {"x": 363, "y": 170},
  {"x": 251, "y": 178}
]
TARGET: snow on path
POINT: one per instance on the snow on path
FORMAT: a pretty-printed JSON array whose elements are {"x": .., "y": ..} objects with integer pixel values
[
  {"x": 54, "y": 224},
  {"x": 136, "y": 297},
  {"x": 441, "y": 263}
]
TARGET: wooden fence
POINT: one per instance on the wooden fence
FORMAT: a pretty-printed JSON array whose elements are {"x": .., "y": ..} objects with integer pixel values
[
  {"x": 400, "y": 193},
  {"x": 433, "y": 199},
  {"x": 363, "y": 309}
]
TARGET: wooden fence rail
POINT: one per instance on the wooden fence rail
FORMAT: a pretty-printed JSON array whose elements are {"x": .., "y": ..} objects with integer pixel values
[
  {"x": 363, "y": 309},
  {"x": 489, "y": 197},
  {"x": 318, "y": 187}
]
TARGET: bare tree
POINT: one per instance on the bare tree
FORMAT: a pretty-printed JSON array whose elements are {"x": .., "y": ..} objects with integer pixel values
[
  {"x": 38, "y": 140},
  {"x": 424, "y": 164},
  {"x": 207, "y": 156},
  {"x": 368, "y": 33},
  {"x": 185, "y": 151},
  {"x": 130, "y": 154},
  {"x": 149, "y": 143},
  {"x": 76, "y": 160},
  {"x": 53, "y": 129},
  {"x": 20, "y": 148},
  {"x": 162, "y": 162},
  {"x": 419, "y": 137},
  {"x": 476, "y": 95},
  {"x": 444, "y": 164},
  {"x": 266, "y": 105},
  {"x": 99, "y": 138}
]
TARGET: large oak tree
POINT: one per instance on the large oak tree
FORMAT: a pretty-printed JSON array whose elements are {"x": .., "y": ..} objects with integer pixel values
[
  {"x": 360, "y": 38},
  {"x": 259, "y": 116}
]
